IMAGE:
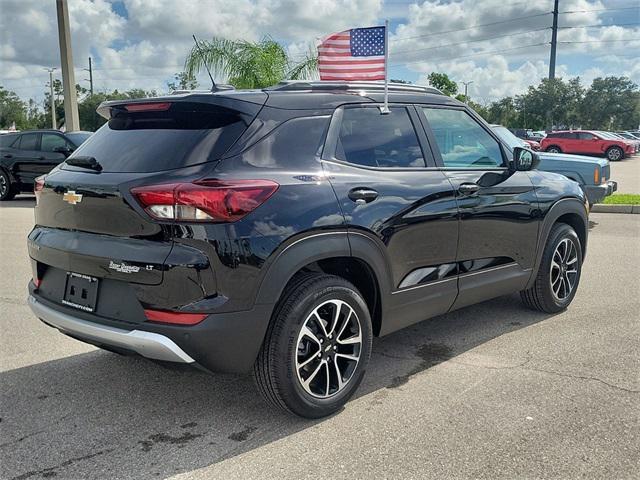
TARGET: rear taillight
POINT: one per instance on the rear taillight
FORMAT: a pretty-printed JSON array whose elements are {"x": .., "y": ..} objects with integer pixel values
[
  {"x": 205, "y": 200},
  {"x": 38, "y": 185},
  {"x": 174, "y": 318}
]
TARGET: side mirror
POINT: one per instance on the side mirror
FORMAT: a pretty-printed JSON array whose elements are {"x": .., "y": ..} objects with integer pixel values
[
  {"x": 66, "y": 151},
  {"x": 524, "y": 159}
]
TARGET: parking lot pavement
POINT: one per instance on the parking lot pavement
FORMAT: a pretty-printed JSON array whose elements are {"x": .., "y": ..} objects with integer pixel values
[
  {"x": 627, "y": 174},
  {"x": 491, "y": 391}
]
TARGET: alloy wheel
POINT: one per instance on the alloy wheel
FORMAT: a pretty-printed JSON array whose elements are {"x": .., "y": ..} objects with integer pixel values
[
  {"x": 614, "y": 154},
  {"x": 3, "y": 185},
  {"x": 328, "y": 349},
  {"x": 564, "y": 269}
]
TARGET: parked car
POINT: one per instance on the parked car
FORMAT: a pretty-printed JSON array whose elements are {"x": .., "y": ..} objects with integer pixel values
[
  {"x": 629, "y": 135},
  {"x": 532, "y": 144},
  {"x": 281, "y": 229},
  {"x": 29, "y": 154},
  {"x": 616, "y": 136},
  {"x": 592, "y": 173},
  {"x": 527, "y": 134},
  {"x": 586, "y": 142}
]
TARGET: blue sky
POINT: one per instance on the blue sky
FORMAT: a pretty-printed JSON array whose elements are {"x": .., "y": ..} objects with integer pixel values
[{"x": 501, "y": 45}]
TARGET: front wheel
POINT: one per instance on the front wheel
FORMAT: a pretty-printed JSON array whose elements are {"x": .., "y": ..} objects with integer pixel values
[
  {"x": 559, "y": 272},
  {"x": 317, "y": 347},
  {"x": 614, "y": 154},
  {"x": 554, "y": 149},
  {"x": 7, "y": 191}
]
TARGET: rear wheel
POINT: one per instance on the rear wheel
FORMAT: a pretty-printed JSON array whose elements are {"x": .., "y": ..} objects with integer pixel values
[
  {"x": 317, "y": 347},
  {"x": 554, "y": 149},
  {"x": 7, "y": 189},
  {"x": 614, "y": 154},
  {"x": 559, "y": 273}
]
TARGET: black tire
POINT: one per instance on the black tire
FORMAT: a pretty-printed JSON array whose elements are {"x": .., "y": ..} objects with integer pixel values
[
  {"x": 277, "y": 366},
  {"x": 7, "y": 189},
  {"x": 541, "y": 295},
  {"x": 614, "y": 154},
  {"x": 553, "y": 149}
]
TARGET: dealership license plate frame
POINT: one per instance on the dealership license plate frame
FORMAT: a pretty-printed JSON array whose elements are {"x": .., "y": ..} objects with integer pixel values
[{"x": 81, "y": 292}]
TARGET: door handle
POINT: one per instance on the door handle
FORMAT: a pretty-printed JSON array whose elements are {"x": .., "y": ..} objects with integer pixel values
[
  {"x": 41, "y": 158},
  {"x": 8, "y": 155},
  {"x": 468, "y": 188},
  {"x": 362, "y": 195}
]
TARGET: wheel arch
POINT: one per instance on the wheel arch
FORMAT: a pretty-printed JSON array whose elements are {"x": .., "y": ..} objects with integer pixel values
[
  {"x": 337, "y": 253},
  {"x": 570, "y": 211}
]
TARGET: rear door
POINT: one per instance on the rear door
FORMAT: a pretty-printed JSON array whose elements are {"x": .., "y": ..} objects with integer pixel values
[
  {"x": 391, "y": 192},
  {"x": 27, "y": 157},
  {"x": 498, "y": 207},
  {"x": 587, "y": 143}
]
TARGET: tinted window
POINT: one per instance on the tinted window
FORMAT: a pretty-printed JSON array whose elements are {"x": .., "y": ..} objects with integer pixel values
[
  {"x": 51, "y": 141},
  {"x": 28, "y": 141},
  {"x": 374, "y": 140},
  {"x": 78, "y": 138},
  {"x": 187, "y": 134},
  {"x": 290, "y": 145},
  {"x": 7, "y": 139},
  {"x": 585, "y": 136},
  {"x": 463, "y": 143}
]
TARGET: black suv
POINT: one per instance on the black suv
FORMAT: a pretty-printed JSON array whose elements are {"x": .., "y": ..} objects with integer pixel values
[
  {"x": 27, "y": 155},
  {"x": 281, "y": 229}
]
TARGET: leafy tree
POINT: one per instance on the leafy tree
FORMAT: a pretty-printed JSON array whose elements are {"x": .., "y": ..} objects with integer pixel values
[
  {"x": 12, "y": 109},
  {"x": 248, "y": 64},
  {"x": 611, "y": 103},
  {"x": 442, "y": 82},
  {"x": 183, "y": 81}
]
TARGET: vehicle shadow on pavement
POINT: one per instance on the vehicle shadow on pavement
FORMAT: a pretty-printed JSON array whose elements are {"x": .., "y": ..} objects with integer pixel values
[{"x": 101, "y": 415}]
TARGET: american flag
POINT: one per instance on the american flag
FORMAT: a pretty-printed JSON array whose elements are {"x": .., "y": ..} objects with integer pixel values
[{"x": 352, "y": 55}]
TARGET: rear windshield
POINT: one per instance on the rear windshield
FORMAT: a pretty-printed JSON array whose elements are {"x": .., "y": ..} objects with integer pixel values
[{"x": 150, "y": 141}]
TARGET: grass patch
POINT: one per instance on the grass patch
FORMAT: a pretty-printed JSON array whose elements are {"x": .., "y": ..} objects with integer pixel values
[{"x": 622, "y": 199}]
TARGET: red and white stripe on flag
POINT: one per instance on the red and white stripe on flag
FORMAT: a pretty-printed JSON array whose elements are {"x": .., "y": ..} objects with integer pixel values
[{"x": 349, "y": 57}]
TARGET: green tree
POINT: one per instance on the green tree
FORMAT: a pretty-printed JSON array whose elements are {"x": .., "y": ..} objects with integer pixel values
[
  {"x": 611, "y": 103},
  {"x": 442, "y": 82},
  {"x": 248, "y": 64},
  {"x": 551, "y": 103},
  {"x": 183, "y": 81},
  {"x": 12, "y": 109}
]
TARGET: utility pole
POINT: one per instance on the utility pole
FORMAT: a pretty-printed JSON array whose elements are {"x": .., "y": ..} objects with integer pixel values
[
  {"x": 554, "y": 41},
  {"x": 90, "y": 70},
  {"x": 466, "y": 86},
  {"x": 71, "y": 118},
  {"x": 52, "y": 99}
]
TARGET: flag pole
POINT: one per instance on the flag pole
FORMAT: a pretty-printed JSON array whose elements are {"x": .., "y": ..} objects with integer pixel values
[{"x": 385, "y": 108}]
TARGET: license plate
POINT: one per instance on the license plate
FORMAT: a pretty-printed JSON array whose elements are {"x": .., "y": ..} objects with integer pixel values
[{"x": 81, "y": 291}]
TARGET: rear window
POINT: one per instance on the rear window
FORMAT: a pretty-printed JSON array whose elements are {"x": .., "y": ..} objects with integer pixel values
[{"x": 150, "y": 141}]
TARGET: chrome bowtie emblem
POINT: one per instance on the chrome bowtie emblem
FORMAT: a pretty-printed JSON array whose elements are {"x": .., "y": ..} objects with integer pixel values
[{"x": 72, "y": 197}]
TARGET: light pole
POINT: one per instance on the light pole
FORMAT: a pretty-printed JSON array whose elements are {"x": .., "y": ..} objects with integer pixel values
[
  {"x": 71, "y": 120},
  {"x": 466, "y": 87},
  {"x": 52, "y": 100}
]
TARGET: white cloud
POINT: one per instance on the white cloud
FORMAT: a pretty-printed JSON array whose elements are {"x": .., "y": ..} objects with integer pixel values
[{"x": 146, "y": 48}]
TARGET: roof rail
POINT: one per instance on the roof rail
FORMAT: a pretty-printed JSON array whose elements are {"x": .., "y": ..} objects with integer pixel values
[{"x": 294, "y": 85}]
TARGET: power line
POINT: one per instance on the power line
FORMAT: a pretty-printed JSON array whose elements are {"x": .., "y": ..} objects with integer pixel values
[
  {"x": 402, "y": 39},
  {"x": 473, "y": 55},
  {"x": 606, "y": 41},
  {"x": 601, "y": 26},
  {"x": 600, "y": 10},
  {"x": 470, "y": 41}
]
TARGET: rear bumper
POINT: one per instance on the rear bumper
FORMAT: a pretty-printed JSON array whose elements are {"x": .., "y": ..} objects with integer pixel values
[
  {"x": 224, "y": 342},
  {"x": 147, "y": 344},
  {"x": 597, "y": 193}
]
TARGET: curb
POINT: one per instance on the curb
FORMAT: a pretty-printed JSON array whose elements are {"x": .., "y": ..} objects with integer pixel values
[{"x": 605, "y": 208}]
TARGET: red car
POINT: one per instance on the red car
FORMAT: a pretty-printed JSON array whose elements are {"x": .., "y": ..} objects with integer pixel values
[{"x": 586, "y": 142}]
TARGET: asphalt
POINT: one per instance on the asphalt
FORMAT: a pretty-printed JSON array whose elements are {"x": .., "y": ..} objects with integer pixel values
[
  {"x": 627, "y": 173},
  {"x": 491, "y": 391}
]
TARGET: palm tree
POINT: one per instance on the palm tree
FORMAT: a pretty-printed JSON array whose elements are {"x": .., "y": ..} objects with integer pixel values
[{"x": 249, "y": 64}]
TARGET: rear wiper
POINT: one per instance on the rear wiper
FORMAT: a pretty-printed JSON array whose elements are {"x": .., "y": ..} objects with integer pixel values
[{"x": 85, "y": 162}]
